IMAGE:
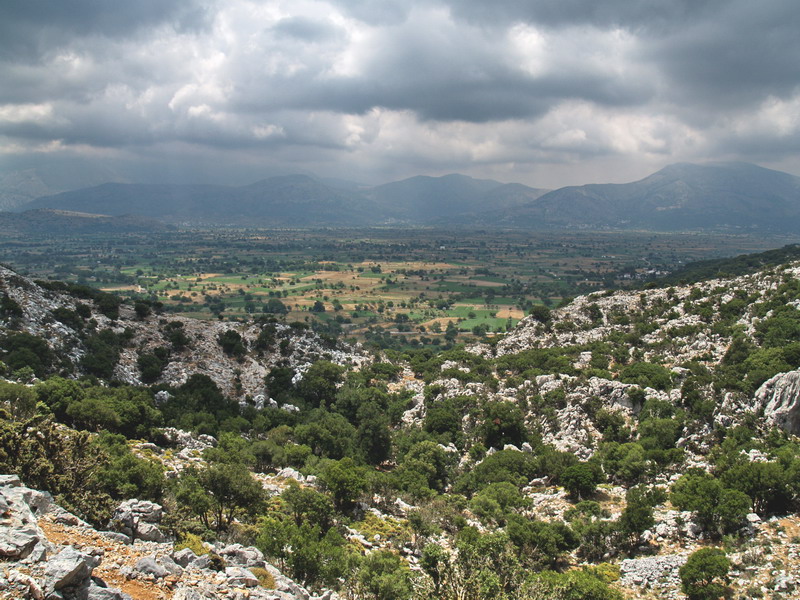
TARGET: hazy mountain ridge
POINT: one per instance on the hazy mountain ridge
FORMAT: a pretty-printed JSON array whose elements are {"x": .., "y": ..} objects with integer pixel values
[
  {"x": 678, "y": 197},
  {"x": 297, "y": 200},
  {"x": 45, "y": 220},
  {"x": 683, "y": 196},
  {"x": 23, "y": 185},
  {"x": 422, "y": 198}
]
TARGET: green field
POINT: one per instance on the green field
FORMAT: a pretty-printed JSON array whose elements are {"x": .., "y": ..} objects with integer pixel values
[{"x": 387, "y": 286}]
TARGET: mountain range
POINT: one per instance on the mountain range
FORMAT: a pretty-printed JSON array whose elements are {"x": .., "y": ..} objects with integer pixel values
[{"x": 679, "y": 197}]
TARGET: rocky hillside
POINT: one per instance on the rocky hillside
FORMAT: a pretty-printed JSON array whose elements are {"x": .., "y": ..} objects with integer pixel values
[
  {"x": 48, "y": 553},
  {"x": 666, "y": 372},
  {"x": 90, "y": 333},
  {"x": 732, "y": 342},
  {"x": 629, "y": 444}
]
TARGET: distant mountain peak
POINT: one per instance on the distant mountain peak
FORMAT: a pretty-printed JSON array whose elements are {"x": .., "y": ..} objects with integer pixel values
[{"x": 681, "y": 196}]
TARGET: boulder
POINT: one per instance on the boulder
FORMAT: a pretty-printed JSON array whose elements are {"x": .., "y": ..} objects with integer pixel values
[
  {"x": 664, "y": 530},
  {"x": 290, "y": 473},
  {"x": 286, "y": 585},
  {"x": 115, "y": 535},
  {"x": 693, "y": 530},
  {"x": 68, "y": 568},
  {"x": 201, "y": 562},
  {"x": 10, "y": 481},
  {"x": 780, "y": 397},
  {"x": 170, "y": 565},
  {"x": 184, "y": 557},
  {"x": 23, "y": 504},
  {"x": 238, "y": 555},
  {"x": 20, "y": 536},
  {"x": 18, "y": 542},
  {"x": 21, "y": 583},
  {"x": 149, "y": 532},
  {"x": 150, "y": 566},
  {"x": 39, "y": 554},
  {"x": 138, "y": 519},
  {"x": 144, "y": 510},
  {"x": 38, "y": 503},
  {"x": 67, "y": 518},
  {"x": 240, "y": 577},
  {"x": 97, "y": 590}
]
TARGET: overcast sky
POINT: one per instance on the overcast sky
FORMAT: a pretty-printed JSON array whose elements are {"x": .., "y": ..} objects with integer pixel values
[{"x": 544, "y": 92}]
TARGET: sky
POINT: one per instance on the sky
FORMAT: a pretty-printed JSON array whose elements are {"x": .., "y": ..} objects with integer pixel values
[{"x": 546, "y": 93}]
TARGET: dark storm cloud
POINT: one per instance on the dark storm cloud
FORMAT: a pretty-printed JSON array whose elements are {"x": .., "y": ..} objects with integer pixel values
[
  {"x": 447, "y": 78},
  {"x": 760, "y": 147},
  {"x": 32, "y": 28},
  {"x": 444, "y": 96},
  {"x": 736, "y": 57},
  {"x": 724, "y": 52},
  {"x": 420, "y": 82},
  {"x": 442, "y": 73},
  {"x": 652, "y": 15}
]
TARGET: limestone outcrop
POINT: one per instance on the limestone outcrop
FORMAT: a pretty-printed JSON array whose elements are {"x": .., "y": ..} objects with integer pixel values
[{"x": 780, "y": 399}]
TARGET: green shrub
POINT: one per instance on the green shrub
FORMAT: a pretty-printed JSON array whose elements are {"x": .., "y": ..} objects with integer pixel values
[
  {"x": 572, "y": 585},
  {"x": 102, "y": 353},
  {"x": 718, "y": 509},
  {"x": 194, "y": 543},
  {"x": 515, "y": 467},
  {"x": 647, "y": 375},
  {"x": 581, "y": 480},
  {"x": 26, "y": 350},
  {"x": 265, "y": 578},
  {"x": 232, "y": 343}
]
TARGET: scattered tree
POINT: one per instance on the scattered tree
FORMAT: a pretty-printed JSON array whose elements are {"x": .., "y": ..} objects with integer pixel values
[{"x": 704, "y": 575}]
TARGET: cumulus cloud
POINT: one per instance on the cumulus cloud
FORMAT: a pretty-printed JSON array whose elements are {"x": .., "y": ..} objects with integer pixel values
[{"x": 556, "y": 89}]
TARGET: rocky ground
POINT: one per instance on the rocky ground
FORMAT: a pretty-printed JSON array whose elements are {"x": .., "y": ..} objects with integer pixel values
[
  {"x": 765, "y": 560},
  {"x": 243, "y": 377},
  {"x": 678, "y": 335},
  {"x": 47, "y": 553},
  {"x": 579, "y": 322}
]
